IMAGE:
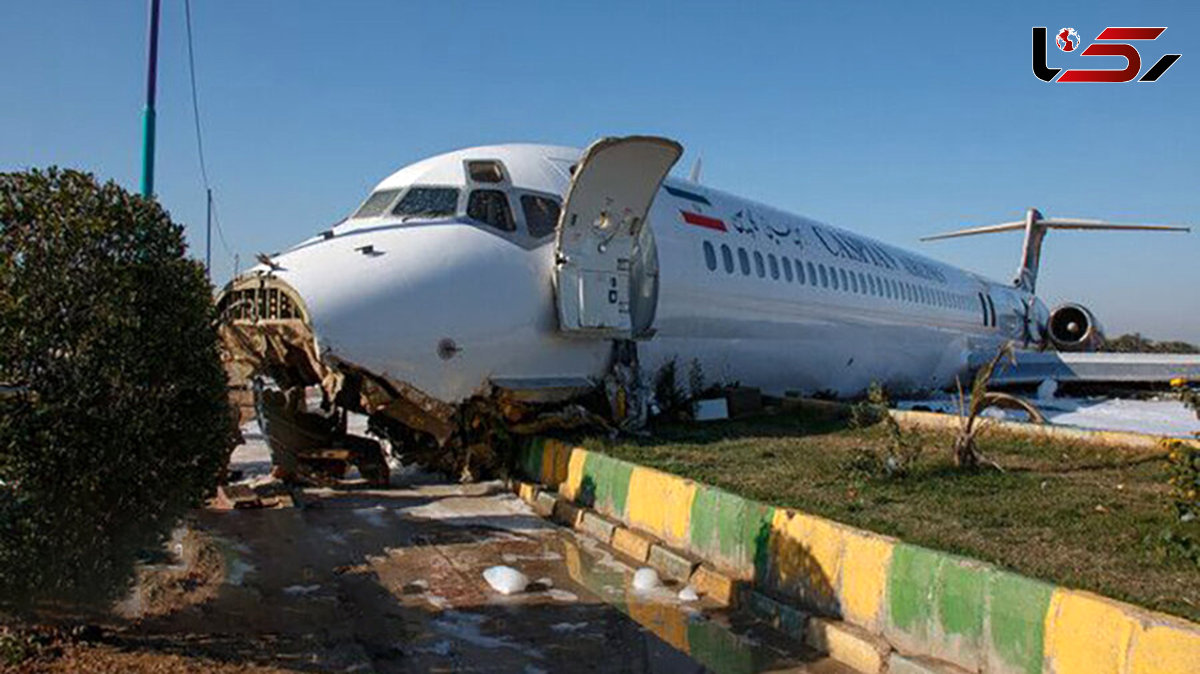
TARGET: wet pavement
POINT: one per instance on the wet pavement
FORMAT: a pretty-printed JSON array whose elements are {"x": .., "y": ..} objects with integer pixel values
[{"x": 392, "y": 580}]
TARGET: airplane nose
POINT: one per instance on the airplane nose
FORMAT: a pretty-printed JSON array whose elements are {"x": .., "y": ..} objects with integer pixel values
[{"x": 423, "y": 305}]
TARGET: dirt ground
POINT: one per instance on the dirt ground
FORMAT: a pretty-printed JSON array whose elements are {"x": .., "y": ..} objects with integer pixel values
[{"x": 392, "y": 581}]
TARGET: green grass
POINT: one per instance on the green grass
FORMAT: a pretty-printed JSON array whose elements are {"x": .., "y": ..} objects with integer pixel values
[{"x": 1069, "y": 513}]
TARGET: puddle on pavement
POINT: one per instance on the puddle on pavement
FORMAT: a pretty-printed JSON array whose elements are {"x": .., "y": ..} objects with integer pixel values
[
  {"x": 395, "y": 581},
  {"x": 580, "y": 614}
]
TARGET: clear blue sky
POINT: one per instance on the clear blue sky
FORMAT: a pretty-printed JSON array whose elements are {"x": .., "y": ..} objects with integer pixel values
[{"x": 892, "y": 119}]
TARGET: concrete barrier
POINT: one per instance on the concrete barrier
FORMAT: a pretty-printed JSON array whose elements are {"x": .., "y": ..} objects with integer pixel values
[{"x": 893, "y": 597}]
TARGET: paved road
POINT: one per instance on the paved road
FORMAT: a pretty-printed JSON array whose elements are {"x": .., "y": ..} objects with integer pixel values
[{"x": 392, "y": 580}]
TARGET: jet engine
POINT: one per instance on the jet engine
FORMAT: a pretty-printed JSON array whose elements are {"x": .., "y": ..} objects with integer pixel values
[{"x": 1072, "y": 327}]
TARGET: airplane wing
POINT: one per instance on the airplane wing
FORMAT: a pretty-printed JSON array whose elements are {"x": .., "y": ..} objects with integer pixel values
[{"x": 1128, "y": 368}]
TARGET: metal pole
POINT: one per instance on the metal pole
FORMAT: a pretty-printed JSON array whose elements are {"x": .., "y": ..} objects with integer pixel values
[
  {"x": 148, "y": 112},
  {"x": 208, "y": 237}
]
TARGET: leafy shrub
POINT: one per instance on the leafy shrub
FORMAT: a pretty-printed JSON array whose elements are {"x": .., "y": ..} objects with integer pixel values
[
  {"x": 1184, "y": 463},
  {"x": 1187, "y": 394},
  {"x": 113, "y": 412},
  {"x": 1181, "y": 539},
  {"x": 899, "y": 455},
  {"x": 669, "y": 394}
]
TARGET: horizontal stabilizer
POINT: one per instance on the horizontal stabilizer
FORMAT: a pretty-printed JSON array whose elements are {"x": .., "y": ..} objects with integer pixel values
[
  {"x": 1032, "y": 367},
  {"x": 1055, "y": 223},
  {"x": 1035, "y": 227}
]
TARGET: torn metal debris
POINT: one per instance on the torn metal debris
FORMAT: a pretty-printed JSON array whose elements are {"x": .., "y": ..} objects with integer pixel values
[{"x": 266, "y": 334}]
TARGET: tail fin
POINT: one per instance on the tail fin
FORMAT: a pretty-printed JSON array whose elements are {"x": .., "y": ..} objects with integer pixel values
[{"x": 1035, "y": 227}]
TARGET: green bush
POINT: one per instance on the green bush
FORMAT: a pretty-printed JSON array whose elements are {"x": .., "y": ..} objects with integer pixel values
[{"x": 113, "y": 411}]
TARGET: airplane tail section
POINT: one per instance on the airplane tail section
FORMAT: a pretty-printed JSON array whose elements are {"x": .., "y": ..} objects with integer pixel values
[{"x": 1036, "y": 226}]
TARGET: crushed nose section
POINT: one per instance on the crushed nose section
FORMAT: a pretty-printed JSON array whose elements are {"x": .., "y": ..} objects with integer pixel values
[{"x": 265, "y": 330}]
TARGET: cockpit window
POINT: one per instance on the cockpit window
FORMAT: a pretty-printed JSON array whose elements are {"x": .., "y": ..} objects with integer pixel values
[
  {"x": 376, "y": 203},
  {"x": 429, "y": 202},
  {"x": 491, "y": 208},
  {"x": 488, "y": 171},
  {"x": 541, "y": 214}
]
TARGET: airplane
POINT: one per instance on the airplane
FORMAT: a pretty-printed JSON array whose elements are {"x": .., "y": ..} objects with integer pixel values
[{"x": 531, "y": 276}]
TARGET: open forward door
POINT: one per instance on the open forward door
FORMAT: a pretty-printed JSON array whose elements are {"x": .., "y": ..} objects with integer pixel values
[{"x": 606, "y": 274}]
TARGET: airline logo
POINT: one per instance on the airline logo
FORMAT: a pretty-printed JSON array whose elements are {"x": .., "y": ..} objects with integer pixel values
[
  {"x": 694, "y": 217},
  {"x": 1112, "y": 41}
]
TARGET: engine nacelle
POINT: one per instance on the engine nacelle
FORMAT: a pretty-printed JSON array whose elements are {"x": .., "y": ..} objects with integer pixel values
[{"x": 1072, "y": 327}]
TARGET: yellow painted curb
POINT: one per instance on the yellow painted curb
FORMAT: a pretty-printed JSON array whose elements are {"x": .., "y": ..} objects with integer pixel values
[
  {"x": 714, "y": 584},
  {"x": 661, "y": 504},
  {"x": 631, "y": 543},
  {"x": 1086, "y": 633},
  {"x": 849, "y": 645},
  {"x": 570, "y": 487}
]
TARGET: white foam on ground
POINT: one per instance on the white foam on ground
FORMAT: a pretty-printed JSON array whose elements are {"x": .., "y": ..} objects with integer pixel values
[
  {"x": 505, "y": 579},
  {"x": 688, "y": 593},
  {"x": 646, "y": 579},
  {"x": 467, "y": 627},
  {"x": 1169, "y": 418},
  {"x": 373, "y": 515},
  {"x": 561, "y": 595},
  {"x": 501, "y": 512}
]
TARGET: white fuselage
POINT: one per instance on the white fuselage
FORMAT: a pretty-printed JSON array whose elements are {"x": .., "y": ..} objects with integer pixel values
[{"x": 894, "y": 317}]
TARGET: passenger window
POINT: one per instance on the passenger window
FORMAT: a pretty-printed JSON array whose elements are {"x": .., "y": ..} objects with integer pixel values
[
  {"x": 375, "y": 204},
  {"x": 758, "y": 264},
  {"x": 842, "y": 273},
  {"x": 812, "y": 274},
  {"x": 787, "y": 269},
  {"x": 727, "y": 258},
  {"x": 486, "y": 171},
  {"x": 862, "y": 283},
  {"x": 744, "y": 261},
  {"x": 710, "y": 256},
  {"x": 774, "y": 264},
  {"x": 541, "y": 217},
  {"x": 824, "y": 277},
  {"x": 429, "y": 202},
  {"x": 491, "y": 208},
  {"x": 854, "y": 282}
]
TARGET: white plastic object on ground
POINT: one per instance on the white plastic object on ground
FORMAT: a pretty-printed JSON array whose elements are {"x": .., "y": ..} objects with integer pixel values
[
  {"x": 505, "y": 579},
  {"x": 688, "y": 593},
  {"x": 646, "y": 579}
]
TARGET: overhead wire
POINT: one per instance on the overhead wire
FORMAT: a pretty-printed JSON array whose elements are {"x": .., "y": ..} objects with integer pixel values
[{"x": 187, "y": 13}]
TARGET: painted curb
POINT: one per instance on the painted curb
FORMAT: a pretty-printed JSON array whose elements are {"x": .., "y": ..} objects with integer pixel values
[{"x": 920, "y": 602}]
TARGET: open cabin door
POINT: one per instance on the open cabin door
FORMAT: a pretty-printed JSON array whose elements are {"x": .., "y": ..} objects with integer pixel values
[{"x": 606, "y": 273}]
